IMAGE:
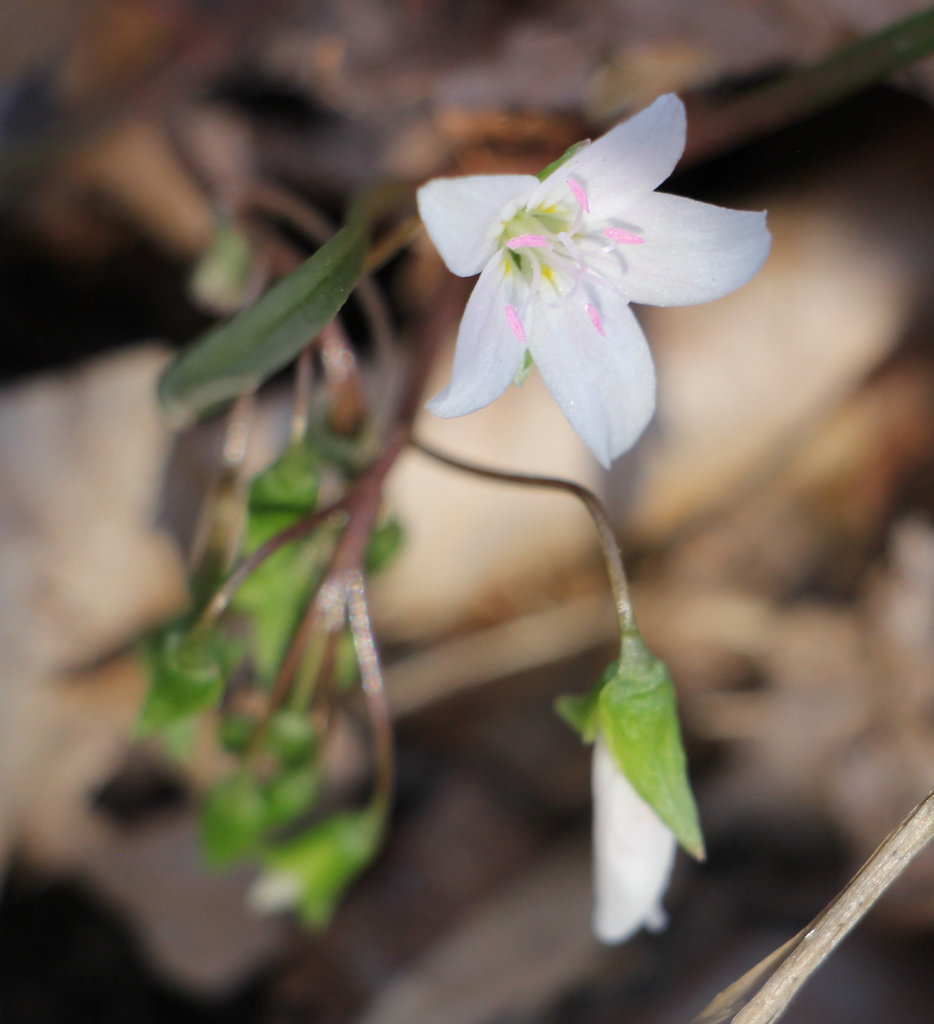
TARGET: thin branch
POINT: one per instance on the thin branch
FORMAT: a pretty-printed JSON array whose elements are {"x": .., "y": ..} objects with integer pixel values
[
  {"x": 373, "y": 687},
  {"x": 789, "y": 967},
  {"x": 608, "y": 542}
]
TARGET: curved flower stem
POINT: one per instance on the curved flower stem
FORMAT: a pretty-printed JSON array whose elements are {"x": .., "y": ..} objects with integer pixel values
[
  {"x": 611, "y": 551},
  {"x": 373, "y": 687}
]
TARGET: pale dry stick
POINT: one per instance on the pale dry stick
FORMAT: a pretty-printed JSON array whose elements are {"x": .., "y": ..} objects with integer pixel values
[
  {"x": 608, "y": 542},
  {"x": 371, "y": 678},
  {"x": 810, "y": 948}
]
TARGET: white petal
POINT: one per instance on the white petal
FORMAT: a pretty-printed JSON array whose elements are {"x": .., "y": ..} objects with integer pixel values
[
  {"x": 633, "y": 854},
  {"x": 693, "y": 252},
  {"x": 463, "y": 215},
  {"x": 632, "y": 159},
  {"x": 605, "y": 385},
  {"x": 488, "y": 353}
]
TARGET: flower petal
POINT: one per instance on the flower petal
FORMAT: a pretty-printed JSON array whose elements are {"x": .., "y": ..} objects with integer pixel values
[
  {"x": 632, "y": 159},
  {"x": 604, "y": 382},
  {"x": 462, "y": 215},
  {"x": 693, "y": 252},
  {"x": 488, "y": 351},
  {"x": 634, "y": 853}
]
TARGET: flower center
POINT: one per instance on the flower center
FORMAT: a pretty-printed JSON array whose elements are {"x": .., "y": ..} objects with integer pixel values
[{"x": 554, "y": 246}]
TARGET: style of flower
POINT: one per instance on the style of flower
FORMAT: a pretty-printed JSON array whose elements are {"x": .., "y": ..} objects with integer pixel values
[
  {"x": 634, "y": 852},
  {"x": 561, "y": 259}
]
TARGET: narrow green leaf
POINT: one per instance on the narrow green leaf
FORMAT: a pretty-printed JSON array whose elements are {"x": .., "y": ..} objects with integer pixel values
[
  {"x": 319, "y": 865},
  {"x": 639, "y": 719},
  {"x": 239, "y": 355}
]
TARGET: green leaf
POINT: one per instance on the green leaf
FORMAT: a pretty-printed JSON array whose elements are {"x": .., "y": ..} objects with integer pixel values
[
  {"x": 283, "y": 494},
  {"x": 233, "y": 819},
  {"x": 385, "y": 543},
  {"x": 291, "y": 793},
  {"x": 639, "y": 719},
  {"x": 275, "y": 595},
  {"x": 319, "y": 865},
  {"x": 235, "y": 732},
  {"x": 291, "y": 736},
  {"x": 186, "y": 677},
  {"x": 239, "y": 355},
  {"x": 563, "y": 159},
  {"x": 346, "y": 666}
]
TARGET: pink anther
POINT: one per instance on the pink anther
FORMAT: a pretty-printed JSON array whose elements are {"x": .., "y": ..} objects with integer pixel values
[
  {"x": 515, "y": 324},
  {"x": 594, "y": 315},
  {"x": 624, "y": 237},
  {"x": 579, "y": 194},
  {"x": 529, "y": 242}
]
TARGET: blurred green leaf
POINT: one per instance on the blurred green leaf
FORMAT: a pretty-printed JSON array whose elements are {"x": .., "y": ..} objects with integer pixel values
[
  {"x": 291, "y": 736},
  {"x": 233, "y": 819},
  {"x": 239, "y": 355},
  {"x": 291, "y": 793},
  {"x": 186, "y": 677},
  {"x": 283, "y": 494},
  {"x": 385, "y": 543},
  {"x": 639, "y": 719},
  {"x": 236, "y": 731},
  {"x": 346, "y": 666},
  {"x": 319, "y": 865}
]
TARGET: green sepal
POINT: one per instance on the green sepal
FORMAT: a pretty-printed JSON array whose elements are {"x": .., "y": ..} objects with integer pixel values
[
  {"x": 563, "y": 159},
  {"x": 321, "y": 863},
  {"x": 186, "y": 671},
  {"x": 524, "y": 370},
  {"x": 237, "y": 356},
  {"x": 385, "y": 543},
  {"x": 582, "y": 711},
  {"x": 233, "y": 819},
  {"x": 639, "y": 720}
]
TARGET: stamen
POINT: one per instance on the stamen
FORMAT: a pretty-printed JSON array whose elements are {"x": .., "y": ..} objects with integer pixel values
[
  {"x": 594, "y": 315},
  {"x": 623, "y": 237},
  {"x": 529, "y": 242},
  {"x": 579, "y": 194},
  {"x": 515, "y": 324},
  {"x": 571, "y": 247}
]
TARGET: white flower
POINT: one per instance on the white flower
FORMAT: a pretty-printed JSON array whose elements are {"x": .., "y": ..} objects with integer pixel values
[
  {"x": 634, "y": 852},
  {"x": 561, "y": 260}
]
